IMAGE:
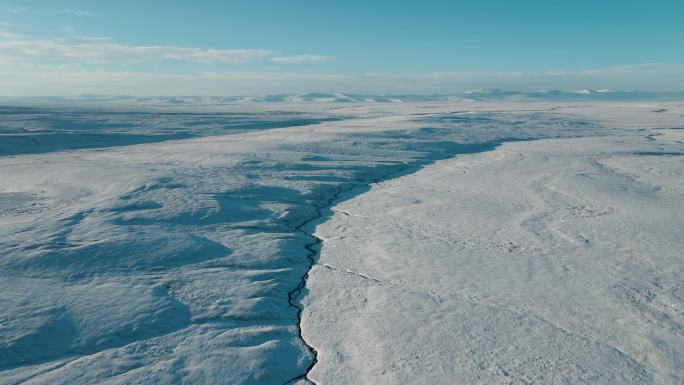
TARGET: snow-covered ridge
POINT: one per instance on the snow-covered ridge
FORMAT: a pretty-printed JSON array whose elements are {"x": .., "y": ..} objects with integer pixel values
[
  {"x": 478, "y": 94},
  {"x": 545, "y": 262},
  {"x": 39, "y": 129},
  {"x": 180, "y": 261}
]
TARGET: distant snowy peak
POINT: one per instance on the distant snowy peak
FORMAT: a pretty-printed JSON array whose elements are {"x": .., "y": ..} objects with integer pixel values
[
  {"x": 559, "y": 95},
  {"x": 588, "y": 91},
  {"x": 478, "y": 94},
  {"x": 491, "y": 94},
  {"x": 606, "y": 94}
]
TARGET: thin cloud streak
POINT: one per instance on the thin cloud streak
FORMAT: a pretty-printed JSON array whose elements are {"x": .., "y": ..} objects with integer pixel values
[
  {"x": 18, "y": 49},
  {"x": 77, "y": 12},
  {"x": 15, "y": 9},
  {"x": 299, "y": 59},
  {"x": 52, "y": 50}
]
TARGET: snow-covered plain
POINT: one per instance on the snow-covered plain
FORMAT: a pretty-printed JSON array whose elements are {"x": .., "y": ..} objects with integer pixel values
[
  {"x": 556, "y": 261},
  {"x": 173, "y": 247}
]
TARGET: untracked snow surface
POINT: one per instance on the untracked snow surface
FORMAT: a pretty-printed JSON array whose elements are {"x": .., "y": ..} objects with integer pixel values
[
  {"x": 557, "y": 261},
  {"x": 173, "y": 246}
]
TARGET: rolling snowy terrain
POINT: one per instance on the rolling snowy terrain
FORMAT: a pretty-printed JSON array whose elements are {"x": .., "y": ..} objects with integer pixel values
[
  {"x": 555, "y": 261},
  {"x": 169, "y": 242}
]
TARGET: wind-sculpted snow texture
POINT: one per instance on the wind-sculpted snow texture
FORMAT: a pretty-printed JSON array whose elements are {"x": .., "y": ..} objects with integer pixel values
[
  {"x": 181, "y": 261},
  {"x": 30, "y": 128},
  {"x": 556, "y": 261}
]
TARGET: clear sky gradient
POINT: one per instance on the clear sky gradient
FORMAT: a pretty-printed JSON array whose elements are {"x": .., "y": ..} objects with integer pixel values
[{"x": 266, "y": 46}]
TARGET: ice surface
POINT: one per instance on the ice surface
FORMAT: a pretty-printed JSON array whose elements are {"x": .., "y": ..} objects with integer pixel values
[
  {"x": 541, "y": 262},
  {"x": 179, "y": 261}
]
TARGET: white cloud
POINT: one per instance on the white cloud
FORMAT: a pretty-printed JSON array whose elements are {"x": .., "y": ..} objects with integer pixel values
[
  {"x": 93, "y": 38},
  {"x": 299, "y": 59},
  {"x": 77, "y": 12},
  {"x": 19, "y": 49},
  {"x": 31, "y": 66},
  {"x": 25, "y": 50},
  {"x": 15, "y": 9}
]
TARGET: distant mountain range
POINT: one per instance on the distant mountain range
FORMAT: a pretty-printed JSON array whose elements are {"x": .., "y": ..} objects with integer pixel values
[
  {"x": 584, "y": 94},
  {"x": 319, "y": 97}
]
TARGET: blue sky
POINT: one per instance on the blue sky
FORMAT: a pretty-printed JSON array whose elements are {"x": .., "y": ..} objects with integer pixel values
[{"x": 255, "y": 47}]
